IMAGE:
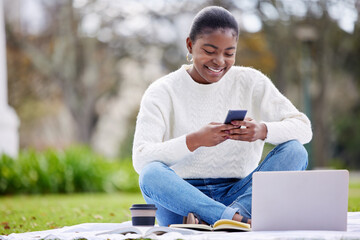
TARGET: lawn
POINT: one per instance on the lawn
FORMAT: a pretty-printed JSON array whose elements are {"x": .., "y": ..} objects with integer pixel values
[
  {"x": 354, "y": 197},
  {"x": 42, "y": 212}
]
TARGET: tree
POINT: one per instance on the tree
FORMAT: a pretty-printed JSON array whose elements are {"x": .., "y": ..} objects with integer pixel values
[
  {"x": 326, "y": 53},
  {"x": 87, "y": 67},
  {"x": 77, "y": 64},
  {"x": 94, "y": 72}
]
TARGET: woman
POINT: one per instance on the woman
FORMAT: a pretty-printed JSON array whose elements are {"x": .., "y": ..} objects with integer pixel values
[{"x": 188, "y": 160}]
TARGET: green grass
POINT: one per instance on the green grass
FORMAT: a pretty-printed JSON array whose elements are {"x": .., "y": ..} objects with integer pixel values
[
  {"x": 41, "y": 212},
  {"x": 354, "y": 197}
]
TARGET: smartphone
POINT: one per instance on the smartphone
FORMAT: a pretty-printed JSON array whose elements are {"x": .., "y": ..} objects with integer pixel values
[{"x": 235, "y": 115}]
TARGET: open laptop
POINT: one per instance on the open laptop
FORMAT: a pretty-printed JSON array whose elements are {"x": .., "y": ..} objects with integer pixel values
[{"x": 300, "y": 200}]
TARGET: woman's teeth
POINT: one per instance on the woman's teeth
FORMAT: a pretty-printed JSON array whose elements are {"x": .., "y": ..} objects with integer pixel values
[{"x": 215, "y": 70}]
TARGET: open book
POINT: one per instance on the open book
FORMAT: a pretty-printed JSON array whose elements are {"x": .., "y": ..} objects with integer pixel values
[
  {"x": 146, "y": 231},
  {"x": 220, "y": 225}
]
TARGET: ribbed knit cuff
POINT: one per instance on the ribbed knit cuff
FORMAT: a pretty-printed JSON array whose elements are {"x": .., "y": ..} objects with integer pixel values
[
  {"x": 183, "y": 148},
  {"x": 272, "y": 132},
  {"x": 180, "y": 149}
]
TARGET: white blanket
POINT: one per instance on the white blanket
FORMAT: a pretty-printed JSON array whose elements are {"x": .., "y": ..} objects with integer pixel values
[{"x": 89, "y": 231}]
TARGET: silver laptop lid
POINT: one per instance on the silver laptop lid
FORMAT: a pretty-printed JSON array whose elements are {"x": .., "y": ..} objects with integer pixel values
[{"x": 300, "y": 200}]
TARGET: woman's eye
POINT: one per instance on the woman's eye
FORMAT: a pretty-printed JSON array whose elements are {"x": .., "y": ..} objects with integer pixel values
[
  {"x": 229, "y": 54},
  {"x": 208, "y": 52}
]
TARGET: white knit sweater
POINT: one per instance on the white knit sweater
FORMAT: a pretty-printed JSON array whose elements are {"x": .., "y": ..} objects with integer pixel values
[{"x": 175, "y": 105}]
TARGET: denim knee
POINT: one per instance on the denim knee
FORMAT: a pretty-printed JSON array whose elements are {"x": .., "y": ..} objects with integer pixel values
[
  {"x": 149, "y": 174},
  {"x": 298, "y": 153}
]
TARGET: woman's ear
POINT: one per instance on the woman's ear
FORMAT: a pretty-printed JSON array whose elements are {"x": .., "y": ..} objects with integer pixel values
[{"x": 189, "y": 45}]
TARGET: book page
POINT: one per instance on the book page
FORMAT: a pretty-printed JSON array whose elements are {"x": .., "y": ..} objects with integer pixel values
[
  {"x": 231, "y": 228},
  {"x": 200, "y": 227},
  {"x": 146, "y": 231},
  {"x": 224, "y": 224},
  {"x": 126, "y": 230}
]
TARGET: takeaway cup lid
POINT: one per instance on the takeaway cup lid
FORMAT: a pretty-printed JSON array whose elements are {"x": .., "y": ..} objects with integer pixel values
[{"x": 143, "y": 207}]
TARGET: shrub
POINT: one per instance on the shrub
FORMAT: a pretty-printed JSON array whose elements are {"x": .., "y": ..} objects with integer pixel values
[{"x": 76, "y": 169}]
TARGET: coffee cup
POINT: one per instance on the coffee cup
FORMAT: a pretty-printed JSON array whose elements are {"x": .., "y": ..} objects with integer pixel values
[{"x": 143, "y": 214}]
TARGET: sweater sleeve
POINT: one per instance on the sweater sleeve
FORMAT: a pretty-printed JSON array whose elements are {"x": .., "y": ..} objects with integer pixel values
[
  {"x": 152, "y": 128},
  {"x": 283, "y": 121}
]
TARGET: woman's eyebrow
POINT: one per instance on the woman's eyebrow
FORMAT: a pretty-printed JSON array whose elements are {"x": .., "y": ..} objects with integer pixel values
[
  {"x": 210, "y": 45},
  {"x": 213, "y": 46}
]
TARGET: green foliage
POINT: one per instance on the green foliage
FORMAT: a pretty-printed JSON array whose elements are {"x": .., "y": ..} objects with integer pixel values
[
  {"x": 347, "y": 130},
  {"x": 267, "y": 149},
  {"x": 254, "y": 51},
  {"x": 125, "y": 178},
  {"x": 76, "y": 169}
]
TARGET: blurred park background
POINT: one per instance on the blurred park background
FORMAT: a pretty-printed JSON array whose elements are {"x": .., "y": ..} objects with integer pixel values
[{"x": 77, "y": 69}]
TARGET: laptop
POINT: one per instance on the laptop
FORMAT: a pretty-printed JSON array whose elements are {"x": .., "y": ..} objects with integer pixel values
[{"x": 300, "y": 200}]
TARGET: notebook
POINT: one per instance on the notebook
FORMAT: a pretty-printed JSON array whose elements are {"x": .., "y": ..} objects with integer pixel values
[{"x": 300, "y": 200}]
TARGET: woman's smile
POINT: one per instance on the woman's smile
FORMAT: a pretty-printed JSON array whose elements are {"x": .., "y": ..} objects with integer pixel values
[{"x": 215, "y": 70}]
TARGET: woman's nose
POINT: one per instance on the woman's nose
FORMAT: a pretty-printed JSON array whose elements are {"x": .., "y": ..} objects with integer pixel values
[{"x": 219, "y": 60}]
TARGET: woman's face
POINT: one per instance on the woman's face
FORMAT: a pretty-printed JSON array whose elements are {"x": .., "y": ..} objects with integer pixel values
[{"x": 213, "y": 55}]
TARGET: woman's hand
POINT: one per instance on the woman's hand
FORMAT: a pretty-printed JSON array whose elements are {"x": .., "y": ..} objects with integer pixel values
[
  {"x": 208, "y": 136},
  {"x": 248, "y": 130}
]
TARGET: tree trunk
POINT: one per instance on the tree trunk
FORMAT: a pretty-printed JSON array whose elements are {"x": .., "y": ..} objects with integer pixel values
[{"x": 321, "y": 121}]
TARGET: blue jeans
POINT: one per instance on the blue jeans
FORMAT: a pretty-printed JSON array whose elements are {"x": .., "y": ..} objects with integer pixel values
[{"x": 211, "y": 198}]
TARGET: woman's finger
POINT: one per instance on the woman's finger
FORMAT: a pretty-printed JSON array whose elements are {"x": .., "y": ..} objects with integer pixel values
[{"x": 239, "y": 131}]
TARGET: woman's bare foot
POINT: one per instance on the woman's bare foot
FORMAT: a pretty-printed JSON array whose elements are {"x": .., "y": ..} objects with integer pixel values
[
  {"x": 239, "y": 218},
  {"x": 192, "y": 218}
]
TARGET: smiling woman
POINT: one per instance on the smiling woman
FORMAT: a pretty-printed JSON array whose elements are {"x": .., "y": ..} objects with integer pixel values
[
  {"x": 213, "y": 55},
  {"x": 212, "y": 42},
  {"x": 190, "y": 162}
]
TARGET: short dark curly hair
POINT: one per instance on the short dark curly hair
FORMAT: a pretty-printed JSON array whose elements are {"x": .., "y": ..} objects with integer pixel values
[{"x": 212, "y": 18}]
